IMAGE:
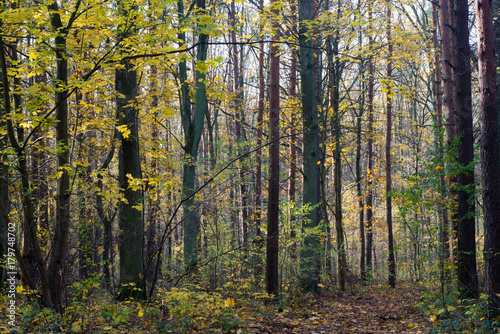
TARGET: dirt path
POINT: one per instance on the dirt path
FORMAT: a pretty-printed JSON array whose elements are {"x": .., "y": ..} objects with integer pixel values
[{"x": 377, "y": 311}]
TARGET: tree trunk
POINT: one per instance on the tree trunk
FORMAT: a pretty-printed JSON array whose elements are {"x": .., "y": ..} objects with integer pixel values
[
  {"x": 489, "y": 154},
  {"x": 193, "y": 126},
  {"x": 466, "y": 250},
  {"x": 359, "y": 117},
  {"x": 129, "y": 167},
  {"x": 448, "y": 99},
  {"x": 130, "y": 213},
  {"x": 388, "y": 175},
  {"x": 440, "y": 147},
  {"x": 334, "y": 104},
  {"x": 308, "y": 268},
  {"x": 56, "y": 267},
  {"x": 272, "y": 283},
  {"x": 292, "y": 185},
  {"x": 369, "y": 176},
  {"x": 239, "y": 120}
]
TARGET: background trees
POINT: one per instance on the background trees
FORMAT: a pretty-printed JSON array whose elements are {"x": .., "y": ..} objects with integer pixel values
[{"x": 201, "y": 117}]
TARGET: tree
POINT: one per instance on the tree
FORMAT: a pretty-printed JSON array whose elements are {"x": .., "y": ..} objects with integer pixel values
[
  {"x": 272, "y": 249},
  {"x": 440, "y": 145},
  {"x": 388, "y": 163},
  {"x": 489, "y": 154},
  {"x": 192, "y": 124},
  {"x": 369, "y": 176},
  {"x": 308, "y": 274},
  {"x": 466, "y": 248},
  {"x": 129, "y": 171}
]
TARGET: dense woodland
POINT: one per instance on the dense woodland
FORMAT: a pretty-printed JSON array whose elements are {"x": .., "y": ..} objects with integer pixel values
[{"x": 155, "y": 150}]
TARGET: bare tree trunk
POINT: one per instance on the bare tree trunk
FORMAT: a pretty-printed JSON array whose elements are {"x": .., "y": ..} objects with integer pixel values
[
  {"x": 239, "y": 120},
  {"x": 448, "y": 100},
  {"x": 56, "y": 267},
  {"x": 292, "y": 185},
  {"x": 369, "y": 176},
  {"x": 309, "y": 274},
  {"x": 466, "y": 250},
  {"x": 193, "y": 126},
  {"x": 440, "y": 147},
  {"x": 489, "y": 154},
  {"x": 272, "y": 283},
  {"x": 129, "y": 165},
  {"x": 388, "y": 175}
]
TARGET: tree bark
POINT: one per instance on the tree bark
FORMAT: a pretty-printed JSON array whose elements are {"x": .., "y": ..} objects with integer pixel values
[
  {"x": 440, "y": 147},
  {"x": 388, "y": 164},
  {"x": 272, "y": 250},
  {"x": 129, "y": 167},
  {"x": 308, "y": 268},
  {"x": 56, "y": 267},
  {"x": 239, "y": 120},
  {"x": 466, "y": 248},
  {"x": 193, "y": 126},
  {"x": 369, "y": 176},
  {"x": 489, "y": 154}
]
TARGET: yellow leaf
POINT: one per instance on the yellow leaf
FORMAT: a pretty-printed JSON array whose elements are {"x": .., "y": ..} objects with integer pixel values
[
  {"x": 124, "y": 130},
  {"x": 229, "y": 302},
  {"x": 141, "y": 314},
  {"x": 19, "y": 289}
]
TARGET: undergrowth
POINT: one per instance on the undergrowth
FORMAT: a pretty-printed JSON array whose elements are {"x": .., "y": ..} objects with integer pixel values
[{"x": 453, "y": 315}]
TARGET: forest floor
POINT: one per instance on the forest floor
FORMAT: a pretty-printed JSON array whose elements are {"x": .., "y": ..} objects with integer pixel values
[
  {"x": 369, "y": 309},
  {"x": 376, "y": 310}
]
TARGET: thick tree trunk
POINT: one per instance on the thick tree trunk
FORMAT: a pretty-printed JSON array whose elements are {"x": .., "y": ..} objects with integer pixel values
[
  {"x": 129, "y": 167},
  {"x": 308, "y": 268},
  {"x": 388, "y": 164},
  {"x": 272, "y": 278},
  {"x": 130, "y": 212},
  {"x": 489, "y": 154},
  {"x": 466, "y": 250},
  {"x": 56, "y": 267},
  {"x": 193, "y": 126}
]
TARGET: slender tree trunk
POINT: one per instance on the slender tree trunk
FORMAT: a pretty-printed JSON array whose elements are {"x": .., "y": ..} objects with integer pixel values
[
  {"x": 4, "y": 187},
  {"x": 388, "y": 174},
  {"x": 292, "y": 185},
  {"x": 239, "y": 120},
  {"x": 339, "y": 225},
  {"x": 466, "y": 250},
  {"x": 32, "y": 263},
  {"x": 272, "y": 283},
  {"x": 440, "y": 147},
  {"x": 359, "y": 117},
  {"x": 448, "y": 100},
  {"x": 260, "y": 120},
  {"x": 369, "y": 176},
  {"x": 309, "y": 274},
  {"x": 489, "y": 154}
]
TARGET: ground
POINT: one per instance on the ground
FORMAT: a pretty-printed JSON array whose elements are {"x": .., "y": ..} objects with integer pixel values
[
  {"x": 382, "y": 310},
  {"x": 369, "y": 309}
]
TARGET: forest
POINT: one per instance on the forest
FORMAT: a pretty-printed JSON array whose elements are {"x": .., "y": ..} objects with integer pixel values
[{"x": 249, "y": 166}]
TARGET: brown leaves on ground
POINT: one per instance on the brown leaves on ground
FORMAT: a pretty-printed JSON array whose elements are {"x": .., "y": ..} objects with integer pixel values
[{"x": 377, "y": 310}]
